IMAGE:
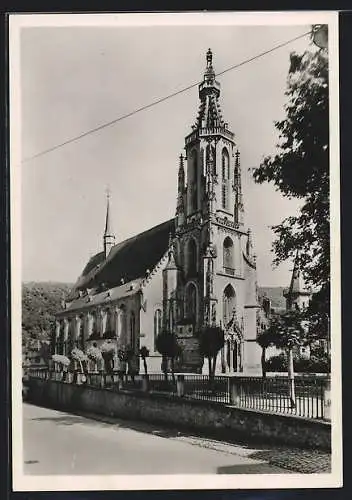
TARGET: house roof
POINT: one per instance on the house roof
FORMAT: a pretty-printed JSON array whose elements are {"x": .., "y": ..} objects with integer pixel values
[{"x": 127, "y": 260}]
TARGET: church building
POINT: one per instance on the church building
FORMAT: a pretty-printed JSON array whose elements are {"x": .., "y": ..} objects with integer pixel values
[{"x": 197, "y": 269}]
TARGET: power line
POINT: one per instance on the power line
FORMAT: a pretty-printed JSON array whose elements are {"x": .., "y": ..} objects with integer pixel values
[{"x": 162, "y": 99}]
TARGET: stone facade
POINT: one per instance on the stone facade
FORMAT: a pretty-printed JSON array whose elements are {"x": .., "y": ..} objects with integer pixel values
[{"x": 203, "y": 274}]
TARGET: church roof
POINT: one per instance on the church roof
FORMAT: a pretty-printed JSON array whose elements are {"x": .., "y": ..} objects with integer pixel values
[{"x": 128, "y": 260}]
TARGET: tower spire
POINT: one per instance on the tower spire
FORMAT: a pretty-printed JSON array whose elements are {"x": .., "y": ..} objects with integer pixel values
[
  {"x": 298, "y": 295},
  {"x": 209, "y": 115},
  {"x": 109, "y": 237}
]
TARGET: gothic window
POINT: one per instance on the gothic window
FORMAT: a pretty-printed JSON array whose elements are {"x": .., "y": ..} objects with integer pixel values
[
  {"x": 157, "y": 325},
  {"x": 191, "y": 258},
  {"x": 228, "y": 253},
  {"x": 225, "y": 162},
  {"x": 191, "y": 302},
  {"x": 229, "y": 304}
]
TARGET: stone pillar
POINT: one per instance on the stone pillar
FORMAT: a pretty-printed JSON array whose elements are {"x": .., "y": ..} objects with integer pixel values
[
  {"x": 66, "y": 333},
  {"x": 57, "y": 335},
  {"x": 234, "y": 390},
  {"x": 103, "y": 322},
  {"x": 145, "y": 382},
  {"x": 180, "y": 385},
  {"x": 231, "y": 356},
  {"x": 327, "y": 399}
]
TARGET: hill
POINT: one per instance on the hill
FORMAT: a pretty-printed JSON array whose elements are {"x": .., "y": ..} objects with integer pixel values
[{"x": 40, "y": 302}]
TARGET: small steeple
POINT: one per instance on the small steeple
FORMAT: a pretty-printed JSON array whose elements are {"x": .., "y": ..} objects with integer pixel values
[
  {"x": 181, "y": 175},
  {"x": 180, "y": 208},
  {"x": 298, "y": 295},
  {"x": 297, "y": 283},
  {"x": 109, "y": 237}
]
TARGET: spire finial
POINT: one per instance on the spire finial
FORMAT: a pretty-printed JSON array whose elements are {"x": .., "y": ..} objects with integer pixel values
[{"x": 209, "y": 58}]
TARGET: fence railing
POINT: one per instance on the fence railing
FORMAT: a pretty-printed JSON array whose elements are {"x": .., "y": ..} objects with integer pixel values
[{"x": 311, "y": 398}]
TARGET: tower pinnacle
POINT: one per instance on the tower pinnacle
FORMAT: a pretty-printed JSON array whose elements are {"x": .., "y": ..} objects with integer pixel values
[{"x": 209, "y": 115}]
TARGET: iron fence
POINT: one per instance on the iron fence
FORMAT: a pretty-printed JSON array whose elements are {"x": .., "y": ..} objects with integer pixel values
[
  {"x": 207, "y": 389},
  {"x": 273, "y": 394},
  {"x": 159, "y": 383},
  {"x": 257, "y": 393}
]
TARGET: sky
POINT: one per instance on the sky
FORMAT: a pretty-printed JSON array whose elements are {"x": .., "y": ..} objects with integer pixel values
[{"x": 76, "y": 78}]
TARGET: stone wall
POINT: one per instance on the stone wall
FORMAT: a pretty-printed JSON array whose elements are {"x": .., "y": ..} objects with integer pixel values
[{"x": 213, "y": 420}]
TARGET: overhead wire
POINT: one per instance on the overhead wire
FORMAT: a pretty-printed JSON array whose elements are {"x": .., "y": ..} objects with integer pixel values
[{"x": 160, "y": 100}]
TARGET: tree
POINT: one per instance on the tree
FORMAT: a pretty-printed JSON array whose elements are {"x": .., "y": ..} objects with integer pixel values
[
  {"x": 286, "y": 332},
  {"x": 300, "y": 169},
  {"x": 166, "y": 344},
  {"x": 211, "y": 340}
]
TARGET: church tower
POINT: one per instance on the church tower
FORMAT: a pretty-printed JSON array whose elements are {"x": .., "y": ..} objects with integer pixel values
[
  {"x": 298, "y": 295},
  {"x": 109, "y": 237},
  {"x": 213, "y": 250}
]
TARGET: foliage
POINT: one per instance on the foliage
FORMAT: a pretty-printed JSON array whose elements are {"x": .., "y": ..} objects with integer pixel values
[
  {"x": 122, "y": 354},
  {"x": 40, "y": 303},
  {"x": 318, "y": 315},
  {"x": 166, "y": 344},
  {"x": 284, "y": 331},
  {"x": 143, "y": 352},
  {"x": 94, "y": 353},
  {"x": 300, "y": 169},
  {"x": 78, "y": 355},
  {"x": 211, "y": 340},
  {"x": 108, "y": 348},
  {"x": 61, "y": 359},
  {"x": 313, "y": 365}
]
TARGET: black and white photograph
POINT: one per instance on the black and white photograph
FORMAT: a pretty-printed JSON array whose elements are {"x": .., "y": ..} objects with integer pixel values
[{"x": 175, "y": 251}]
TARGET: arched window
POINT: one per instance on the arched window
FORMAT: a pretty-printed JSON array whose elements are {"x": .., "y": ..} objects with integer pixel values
[
  {"x": 191, "y": 302},
  {"x": 157, "y": 324},
  {"x": 133, "y": 331},
  {"x": 194, "y": 181},
  {"x": 192, "y": 258},
  {"x": 225, "y": 162},
  {"x": 228, "y": 254},
  {"x": 229, "y": 304}
]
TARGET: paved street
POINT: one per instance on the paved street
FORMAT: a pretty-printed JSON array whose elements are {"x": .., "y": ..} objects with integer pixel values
[{"x": 61, "y": 443}]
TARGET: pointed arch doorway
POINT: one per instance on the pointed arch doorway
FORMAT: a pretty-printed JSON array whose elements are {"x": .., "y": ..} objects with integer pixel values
[{"x": 232, "y": 352}]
